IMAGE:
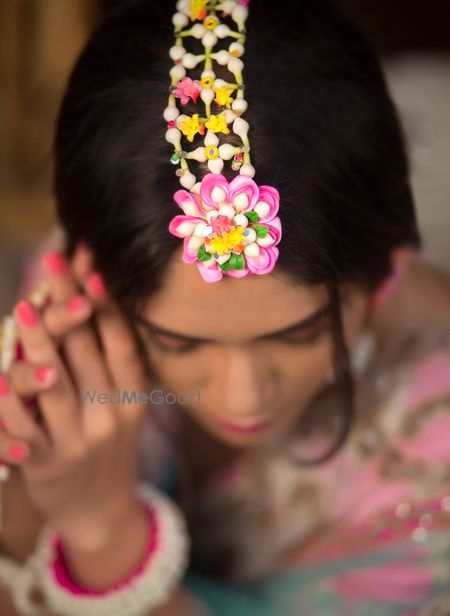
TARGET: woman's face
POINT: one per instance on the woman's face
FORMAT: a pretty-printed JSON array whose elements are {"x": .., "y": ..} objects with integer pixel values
[{"x": 244, "y": 356}]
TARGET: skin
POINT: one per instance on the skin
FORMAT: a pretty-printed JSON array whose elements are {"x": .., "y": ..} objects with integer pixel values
[
  {"x": 79, "y": 474},
  {"x": 243, "y": 375}
]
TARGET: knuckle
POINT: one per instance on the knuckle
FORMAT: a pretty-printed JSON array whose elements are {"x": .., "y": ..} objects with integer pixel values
[
  {"x": 103, "y": 429},
  {"x": 55, "y": 320},
  {"x": 26, "y": 379},
  {"x": 75, "y": 452}
]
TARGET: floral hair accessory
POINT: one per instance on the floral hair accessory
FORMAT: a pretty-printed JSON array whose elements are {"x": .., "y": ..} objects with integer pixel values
[{"x": 228, "y": 228}]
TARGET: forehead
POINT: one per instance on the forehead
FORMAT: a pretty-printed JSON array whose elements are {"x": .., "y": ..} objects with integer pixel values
[{"x": 233, "y": 308}]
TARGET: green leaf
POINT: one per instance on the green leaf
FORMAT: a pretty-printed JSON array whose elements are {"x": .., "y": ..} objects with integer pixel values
[
  {"x": 241, "y": 262},
  {"x": 237, "y": 261},
  {"x": 252, "y": 216},
  {"x": 202, "y": 255},
  {"x": 225, "y": 267},
  {"x": 261, "y": 231}
]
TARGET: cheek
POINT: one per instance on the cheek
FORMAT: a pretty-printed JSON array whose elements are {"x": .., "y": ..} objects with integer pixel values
[
  {"x": 296, "y": 373},
  {"x": 306, "y": 371}
]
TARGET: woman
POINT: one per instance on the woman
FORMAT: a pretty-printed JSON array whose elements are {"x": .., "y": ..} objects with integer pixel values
[{"x": 298, "y": 418}]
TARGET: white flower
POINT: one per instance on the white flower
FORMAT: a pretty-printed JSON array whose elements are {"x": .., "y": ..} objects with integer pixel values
[
  {"x": 183, "y": 6},
  {"x": 248, "y": 170},
  {"x": 219, "y": 32},
  {"x": 240, "y": 127},
  {"x": 177, "y": 72},
  {"x": 234, "y": 64},
  {"x": 226, "y": 6},
  {"x": 171, "y": 113},
  {"x": 239, "y": 106},
  {"x": 173, "y": 136},
  {"x": 187, "y": 180},
  {"x": 236, "y": 49},
  {"x": 190, "y": 61},
  {"x": 177, "y": 52},
  {"x": 227, "y": 151},
  {"x": 180, "y": 20}
]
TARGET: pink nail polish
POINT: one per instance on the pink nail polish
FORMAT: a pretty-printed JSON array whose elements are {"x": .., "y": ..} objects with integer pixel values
[
  {"x": 55, "y": 262},
  {"x": 18, "y": 452},
  {"x": 96, "y": 284},
  {"x": 44, "y": 373},
  {"x": 26, "y": 313},
  {"x": 4, "y": 387},
  {"x": 76, "y": 303}
]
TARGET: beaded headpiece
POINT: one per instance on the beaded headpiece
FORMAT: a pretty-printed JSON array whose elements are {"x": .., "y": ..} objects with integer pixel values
[{"x": 228, "y": 228}]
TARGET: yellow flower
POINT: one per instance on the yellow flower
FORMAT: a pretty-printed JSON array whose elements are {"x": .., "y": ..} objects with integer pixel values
[
  {"x": 211, "y": 152},
  {"x": 190, "y": 127},
  {"x": 207, "y": 82},
  {"x": 223, "y": 97},
  {"x": 227, "y": 241},
  {"x": 198, "y": 9},
  {"x": 217, "y": 124},
  {"x": 211, "y": 22}
]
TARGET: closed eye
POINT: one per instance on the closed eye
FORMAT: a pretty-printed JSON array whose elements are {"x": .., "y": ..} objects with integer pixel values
[
  {"x": 294, "y": 338},
  {"x": 174, "y": 345},
  {"x": 305, "y": 338},
  {"x": 305, "y": 332}
]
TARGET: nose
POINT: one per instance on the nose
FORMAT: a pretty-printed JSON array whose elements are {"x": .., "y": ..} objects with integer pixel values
[{"x": 242, "y": 385}]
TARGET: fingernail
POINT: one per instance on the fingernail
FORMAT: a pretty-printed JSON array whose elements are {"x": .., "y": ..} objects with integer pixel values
[
  {"x": 4, "y": 387},
  {"x": 45, "y": 373},
  {"x": 96, "y": 284},
  {"x": 76, "y": 303},
  {"x": 18, "y": 452},
  {"x": 26, "y": 313},
  {"x": 2, "y": 423},
  {"x": 55, "y": 262}
]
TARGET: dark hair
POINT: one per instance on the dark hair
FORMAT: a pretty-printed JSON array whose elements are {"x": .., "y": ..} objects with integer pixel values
[{"x": 323, "y": 130}]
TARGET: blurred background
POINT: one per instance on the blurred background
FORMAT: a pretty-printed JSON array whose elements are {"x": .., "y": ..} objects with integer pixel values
[{"x": 40, "y": 40}]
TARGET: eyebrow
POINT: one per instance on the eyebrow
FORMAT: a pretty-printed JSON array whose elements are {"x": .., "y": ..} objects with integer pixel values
[{"x": 312, "y": 319}]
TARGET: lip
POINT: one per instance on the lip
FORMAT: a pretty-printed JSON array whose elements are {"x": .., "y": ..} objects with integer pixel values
[{"x": 248, "y": 428}]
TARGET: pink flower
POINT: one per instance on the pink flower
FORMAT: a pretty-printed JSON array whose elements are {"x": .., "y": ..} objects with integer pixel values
[
  {"x": 229, "y": 228},
  {"x": 220, "y": 224},
  {"x": 185, "y": 89}
]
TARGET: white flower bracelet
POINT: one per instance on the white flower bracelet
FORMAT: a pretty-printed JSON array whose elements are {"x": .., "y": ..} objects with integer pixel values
[{"x": 148, "y": 588}]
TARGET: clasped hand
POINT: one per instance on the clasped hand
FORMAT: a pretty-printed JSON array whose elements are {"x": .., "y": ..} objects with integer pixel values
[{"x": 79, "y": 460}]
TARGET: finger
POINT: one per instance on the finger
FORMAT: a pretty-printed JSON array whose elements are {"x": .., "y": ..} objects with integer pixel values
[
  {"x": 61, "y": 318},
  {"x": 82, "y": 263},
  {"x": 59, "y": 404},
  {"x": 81, "y": 347},
  {"x": 28, "y": 379},
  {"x": 62, "y": 285},
  {"x": 119, "y": 345},
  {"x": 13, "y": 450},
  {"x": 17, "y": 421}
]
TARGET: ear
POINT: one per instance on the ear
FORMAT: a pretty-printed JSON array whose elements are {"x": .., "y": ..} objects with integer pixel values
[{"x": 400, "y": 259}]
